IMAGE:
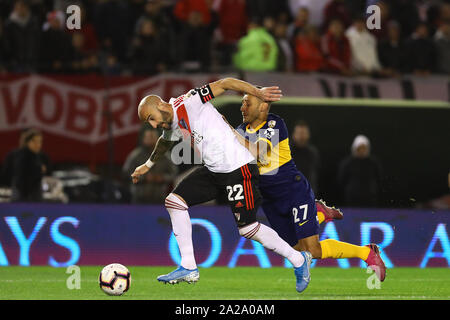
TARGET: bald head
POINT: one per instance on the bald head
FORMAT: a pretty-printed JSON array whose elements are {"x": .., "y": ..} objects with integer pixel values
[
  {"x": 156, "y": 112},
  {"x": 146, "y": 105}
]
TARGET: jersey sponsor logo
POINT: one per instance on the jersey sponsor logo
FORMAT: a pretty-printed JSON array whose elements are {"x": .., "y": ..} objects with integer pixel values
[{"x": 205, "y": 93}]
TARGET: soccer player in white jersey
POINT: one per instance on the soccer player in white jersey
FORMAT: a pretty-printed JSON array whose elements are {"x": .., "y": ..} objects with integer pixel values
[{"x": 228, "y": 169}]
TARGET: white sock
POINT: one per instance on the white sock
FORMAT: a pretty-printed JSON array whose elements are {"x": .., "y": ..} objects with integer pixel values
[
  {"x": 182, "y": 229},
  {"x": 272, "y": 241}
]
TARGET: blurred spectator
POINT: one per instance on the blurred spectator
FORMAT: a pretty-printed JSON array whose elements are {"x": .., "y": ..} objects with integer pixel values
[
  {"x": 285, "y": 53},
  {"x": 257, "y": 51},
  {"x": 315, "y": 8},
  {"x": 155, "y": 185},
  {"x": 21, "y": 38},
  {"x": 406, "y": 14},
  {"x": 148, "y": 51},
  {"x": 112, "y": 22},
  {"x": 382, "y": 32},
  {"x": 359, "y": 175},
  {"x": 160, "y": 13},
  {"x": 357, "y": 7},
  {"x": 8, "y": 162},
  {"x": 278, "y": 10},
  {"x": 421, "y": 51},
  {"x": 442, "y": 41},
  {"x": 90, "y": 41},
  {"x": 232, "y": 26},
  {"x": 305, "y": 155},
  {"x": 195, "y": 33},
  {"x": 363, "y": 46},
  {"x": 154, "y": 10},
  {"x": 301, "y": 21},
  {"x": 81, "y": 60},
  {"x": 30, "y": 164},
  {"x": 391, "y": 51},
  {"x": 336, "y": 10},
  {"x": 55, "y": 44},
  {"x": 336, "y": 49},
  {"x": 308, "y": 54}
]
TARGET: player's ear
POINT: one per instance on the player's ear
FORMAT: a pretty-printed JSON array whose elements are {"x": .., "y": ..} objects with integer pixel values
[{"x": 264, "y": 107}]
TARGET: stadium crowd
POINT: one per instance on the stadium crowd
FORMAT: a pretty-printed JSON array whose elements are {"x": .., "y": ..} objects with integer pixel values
[{"x": 145, "y": 37}]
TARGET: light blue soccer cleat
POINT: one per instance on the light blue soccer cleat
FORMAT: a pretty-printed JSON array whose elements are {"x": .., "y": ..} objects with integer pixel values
[
  {"x": 302, "y": 273},
  {"x": 179, "y": 275}
]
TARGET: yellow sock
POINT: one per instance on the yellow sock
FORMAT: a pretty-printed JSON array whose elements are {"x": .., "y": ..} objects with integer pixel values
[
  {"x": 321, "y": 216},
  {"x": 336, "y": 250}
]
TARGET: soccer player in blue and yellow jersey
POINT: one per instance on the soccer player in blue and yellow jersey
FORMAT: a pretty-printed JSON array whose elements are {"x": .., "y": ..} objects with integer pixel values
[{"x": 288, "y": 199}]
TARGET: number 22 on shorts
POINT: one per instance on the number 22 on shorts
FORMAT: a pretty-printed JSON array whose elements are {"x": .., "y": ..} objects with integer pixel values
[{"x": 237, "y": 189}]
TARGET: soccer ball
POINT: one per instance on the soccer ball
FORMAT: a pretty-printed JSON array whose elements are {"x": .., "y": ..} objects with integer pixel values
[{"x": 115, "y": 279}]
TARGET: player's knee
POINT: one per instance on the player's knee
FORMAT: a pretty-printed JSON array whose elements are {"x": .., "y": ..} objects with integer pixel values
[
  {"x": 175, "y": 202},
  {"x": 249, "y": 230}
]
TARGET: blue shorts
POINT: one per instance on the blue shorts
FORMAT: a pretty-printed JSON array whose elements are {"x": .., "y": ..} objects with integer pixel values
[{"x": 291, "y": 210}]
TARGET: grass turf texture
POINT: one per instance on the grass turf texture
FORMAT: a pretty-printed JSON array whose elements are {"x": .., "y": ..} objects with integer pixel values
[{"x": 221, "y": 283}]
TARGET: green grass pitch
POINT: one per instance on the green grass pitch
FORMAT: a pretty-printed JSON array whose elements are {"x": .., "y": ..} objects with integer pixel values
[{"x": 221, "y": 283}]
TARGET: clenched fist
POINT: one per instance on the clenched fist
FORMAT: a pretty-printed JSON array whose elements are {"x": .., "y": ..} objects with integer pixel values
[{"x": 138, "y": 172}]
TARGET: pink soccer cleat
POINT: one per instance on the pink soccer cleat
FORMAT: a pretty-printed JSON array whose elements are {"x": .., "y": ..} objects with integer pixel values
[
  {"x": 375, "y": 262},
  {"x": 330, "y": 213}
]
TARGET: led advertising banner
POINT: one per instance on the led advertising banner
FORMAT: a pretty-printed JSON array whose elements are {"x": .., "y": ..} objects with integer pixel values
[{"x": 63, "y": 235}]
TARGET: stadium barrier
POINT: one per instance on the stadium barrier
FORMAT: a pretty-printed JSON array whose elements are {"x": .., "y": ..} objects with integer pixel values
[{"x": 63, "y": 235}]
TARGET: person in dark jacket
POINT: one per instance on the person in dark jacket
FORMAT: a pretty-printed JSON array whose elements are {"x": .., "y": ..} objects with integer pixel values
[
  {"x": 21, "y": 39},
  {"x": 359, "y": 175},
  {"x": 306, "y": 156},
  {"x": 29, "y": 166}
]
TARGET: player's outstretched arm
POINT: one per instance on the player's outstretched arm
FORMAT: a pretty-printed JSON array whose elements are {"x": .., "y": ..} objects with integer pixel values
[
  {"x": 161, "y": 147},
  {"x": 269, "y": 94}
]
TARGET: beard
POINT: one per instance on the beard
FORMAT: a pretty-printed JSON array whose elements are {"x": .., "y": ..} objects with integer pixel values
[{"x": 166, "y": 120}]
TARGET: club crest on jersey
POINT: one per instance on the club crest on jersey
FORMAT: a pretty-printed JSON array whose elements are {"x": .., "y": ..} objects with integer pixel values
[
  {"x": 271, "y": 123},
  {"x": 269, "y": 133},
  {"x": 183, "y": 124},
  {"x": 237, "y": 215}
]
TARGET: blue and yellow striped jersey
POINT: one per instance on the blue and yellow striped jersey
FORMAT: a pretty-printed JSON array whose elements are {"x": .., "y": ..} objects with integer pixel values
[{"x": 280, "y": 167}]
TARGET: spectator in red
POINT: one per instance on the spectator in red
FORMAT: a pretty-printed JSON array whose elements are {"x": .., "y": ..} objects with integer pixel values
[
  {"x": 185, "y": 8},
  {"x": 194, "y": 34},
  {"x": 336, "y": 49},
  {"x": 336, "y": 9},
  {"x": 90, "y": 40},
  {"x": 309, "y": 57},
  {"x": 233, "y": 22}
]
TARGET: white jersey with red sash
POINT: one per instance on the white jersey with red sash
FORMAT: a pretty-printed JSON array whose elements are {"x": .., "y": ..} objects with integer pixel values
[{"x": 197, "y": 120}]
